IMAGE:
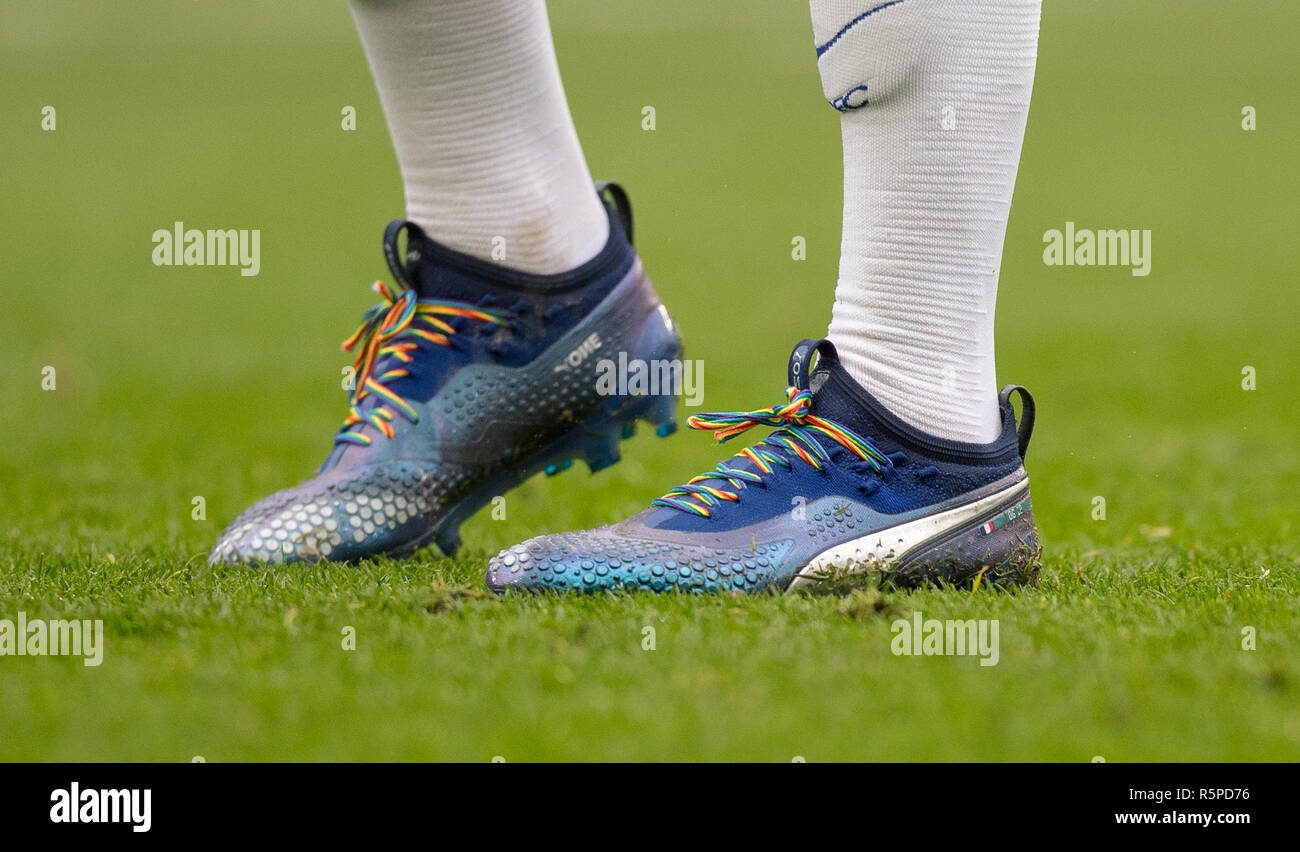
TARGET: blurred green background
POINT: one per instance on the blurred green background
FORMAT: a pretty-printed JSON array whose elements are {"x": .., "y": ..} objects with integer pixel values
[{"x": 177, "y": 382}]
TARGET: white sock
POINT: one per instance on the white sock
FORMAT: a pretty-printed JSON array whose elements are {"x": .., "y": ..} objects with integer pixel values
[
  {"x": 934, "y": 95},
  {"x": 484, "y": 139}
]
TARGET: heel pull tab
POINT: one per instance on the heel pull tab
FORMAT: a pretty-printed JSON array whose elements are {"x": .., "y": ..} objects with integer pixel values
[
  {"x": 396, "y": 264},
  {"x": 622, "y": 204},
  {"x": 801, "y": 359},
  {"x": 1025, "y": 428}
]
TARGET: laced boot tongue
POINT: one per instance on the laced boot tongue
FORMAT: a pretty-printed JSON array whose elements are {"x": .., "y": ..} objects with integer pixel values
[
  {"x": 403, "y": 265},
  {"x": 800, "y": 436},
  {"x": 437, "y": 271},
  {"x": 812, "y": 364},
  {"x": 811, "y": 355},
  {"x": 838, "y": 397},
  {"x": 433, "y": 271},
  {"x": 815, "y": 365}
]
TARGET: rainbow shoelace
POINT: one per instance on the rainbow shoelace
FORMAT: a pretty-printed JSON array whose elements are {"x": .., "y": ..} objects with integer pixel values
[
  {"x": 796, "y": 437},
  {"x": 391, "y": 328}
]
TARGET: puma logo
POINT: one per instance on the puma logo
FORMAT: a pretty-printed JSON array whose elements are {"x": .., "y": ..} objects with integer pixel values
[{"x": 583, "y": 351}]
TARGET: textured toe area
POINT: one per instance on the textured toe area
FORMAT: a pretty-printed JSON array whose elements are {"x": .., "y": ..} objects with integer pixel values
[
  {"x": 370, "y": 511},
  {"x": 599, "y": 560},
  {"x": 479, "y": 417}
]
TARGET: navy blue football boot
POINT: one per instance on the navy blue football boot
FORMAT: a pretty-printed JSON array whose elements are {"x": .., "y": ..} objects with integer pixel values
[
  {"x": 470, "y": 378},
  {"x": 840, "y": 492}
]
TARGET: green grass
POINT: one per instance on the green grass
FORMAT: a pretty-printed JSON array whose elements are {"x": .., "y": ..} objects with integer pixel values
[{"x": 176, "y": 383}]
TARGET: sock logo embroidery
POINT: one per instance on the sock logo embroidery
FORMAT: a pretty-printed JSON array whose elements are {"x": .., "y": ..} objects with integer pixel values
[{"x": 855, "y": 98}]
